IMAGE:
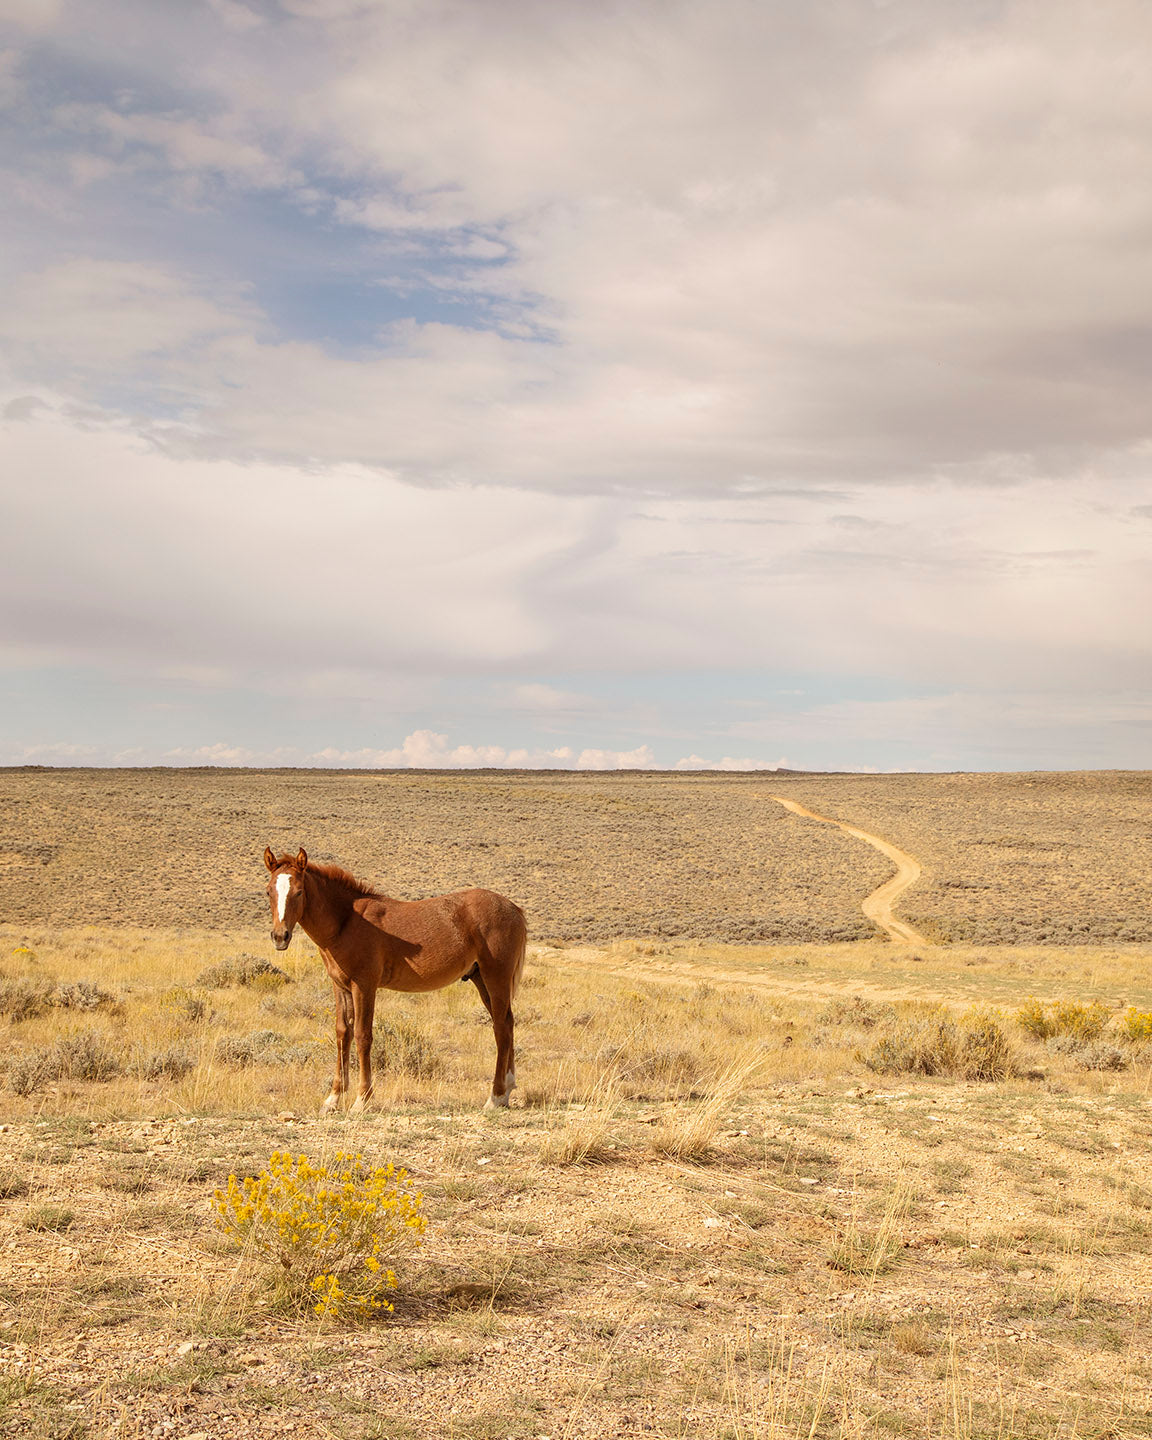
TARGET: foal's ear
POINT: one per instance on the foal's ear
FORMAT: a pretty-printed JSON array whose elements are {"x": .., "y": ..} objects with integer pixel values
[
  {"x": 302, "y": 861},
  {"x": 269, "y": 858}
]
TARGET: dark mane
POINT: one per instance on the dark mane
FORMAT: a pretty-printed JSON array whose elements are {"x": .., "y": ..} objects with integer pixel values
[{"x": 344, "y": 881}]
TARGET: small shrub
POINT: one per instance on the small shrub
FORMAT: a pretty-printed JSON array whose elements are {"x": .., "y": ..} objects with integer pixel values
[
  {"x": 186, "y": 1005},
  {"x": 1136, "y": 1024},
  {"x": 976, "y": 1048},
  {"x": 49, "y": 1217},
  {"x": 1062, "y": 1017},
  {"x": 12, "y": 1184},
  {"x": 244, "y": 970},
  {"x": 83, "y": 995},
  {"x": 1086, "y": 1022},
  {"x": 1034, "y": 1018},
  {"x": 401, "y": 1047},
  {"x": 172, "y": 1063},
  {"x": 1102, "y": 1056},
  {"x": 26, "y": 1072},
  {"x": 920, "y": 1047},
  {"x": 22, "y": 999},
  {"x": 258, "y": 1047},
  {"x": 329, "y": 1233},
  {"x": 986, "y": 1053},
  {"x": 86, "y": 1056},
  {"x": 866, "y": 1014}
]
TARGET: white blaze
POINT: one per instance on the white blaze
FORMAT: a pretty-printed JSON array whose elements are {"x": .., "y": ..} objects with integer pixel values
[{"x": 283, "y": 885}]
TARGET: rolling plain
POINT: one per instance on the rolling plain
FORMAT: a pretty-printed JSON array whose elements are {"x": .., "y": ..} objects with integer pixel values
[{"x": 768, "y": 1173}]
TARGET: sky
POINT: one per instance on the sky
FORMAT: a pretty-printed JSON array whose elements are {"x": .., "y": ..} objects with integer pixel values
[{"x": 596, "y": 384}]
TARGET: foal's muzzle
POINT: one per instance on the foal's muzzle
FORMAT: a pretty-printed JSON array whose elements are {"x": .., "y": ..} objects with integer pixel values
[{"x": 281, "y": 938}]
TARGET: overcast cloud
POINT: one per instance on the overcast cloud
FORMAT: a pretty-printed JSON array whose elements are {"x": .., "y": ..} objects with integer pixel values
[{"x": 582, "y": 384}]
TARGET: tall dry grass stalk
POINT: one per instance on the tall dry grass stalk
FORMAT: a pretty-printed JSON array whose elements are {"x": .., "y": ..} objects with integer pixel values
[
  {"x": 867, "y": 1251},
  {"x": 778, "y": 1400},
  {"x": 584, "y": 1138},
  {"x": 689, "y": 1134}
]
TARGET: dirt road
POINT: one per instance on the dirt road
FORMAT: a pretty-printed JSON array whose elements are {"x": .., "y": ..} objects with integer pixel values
[{"x": 878, "y": 906}]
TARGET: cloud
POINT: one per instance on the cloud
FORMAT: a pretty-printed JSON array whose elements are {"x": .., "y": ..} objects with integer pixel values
[
  {"x": 335, "y": 582},
  {"x": 184, "y": 144},
  {"x": 547, "y": 699},
  {"x": 696, "y": 248},
  {"x": 32, "y": 15},
  {"x": 108, "y": 318},
  {"x": 422, "y": 750},
  {"x": 695, "y": 762}
]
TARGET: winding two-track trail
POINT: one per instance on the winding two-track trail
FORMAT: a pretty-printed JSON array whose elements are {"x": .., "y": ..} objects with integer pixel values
[{"x": 878, "y": 906}]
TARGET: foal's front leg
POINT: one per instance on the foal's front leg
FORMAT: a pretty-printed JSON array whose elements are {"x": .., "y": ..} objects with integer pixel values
[
  {"x": 344, "y": 1017},
  {"x": 364, "y": 1005}
]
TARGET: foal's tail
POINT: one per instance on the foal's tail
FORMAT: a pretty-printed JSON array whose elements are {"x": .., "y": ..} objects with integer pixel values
[{"x": 521, "y": 950}]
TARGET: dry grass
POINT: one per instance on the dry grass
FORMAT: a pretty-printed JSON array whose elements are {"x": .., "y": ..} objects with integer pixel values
[
  {"x": 703, "y": 1217},
  {"x": 657, "y": 1239}
]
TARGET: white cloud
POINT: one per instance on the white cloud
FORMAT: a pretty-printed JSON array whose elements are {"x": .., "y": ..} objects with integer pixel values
[
  {"x": 114, "y": 320},
  {"x": 421, "y": 750},
  {"x": 641, "y": 758},
  {"x": 695, "y": 762},
  {"x": 185, "y": 144}
]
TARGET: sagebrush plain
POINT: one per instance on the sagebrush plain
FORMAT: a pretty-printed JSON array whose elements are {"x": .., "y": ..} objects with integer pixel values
[{"x": 767, "y": 1173}]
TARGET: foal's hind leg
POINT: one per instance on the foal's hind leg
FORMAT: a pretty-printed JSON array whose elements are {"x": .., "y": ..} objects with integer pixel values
[
  {"x": 344, "y": 1017},
  {"x": 364, "y": 1006},
  {"x": 500, "y": 1009}
]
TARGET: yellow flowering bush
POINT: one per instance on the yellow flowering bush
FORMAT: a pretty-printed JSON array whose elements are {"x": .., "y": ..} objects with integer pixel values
[
  {"x": 1137, "y": 1024},
  {"x": 332, "y": 1231},
  {"x": 1062, "y": 1017}
]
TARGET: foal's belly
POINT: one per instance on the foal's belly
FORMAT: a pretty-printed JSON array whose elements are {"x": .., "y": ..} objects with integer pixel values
[{"x": 422, "y": 951}]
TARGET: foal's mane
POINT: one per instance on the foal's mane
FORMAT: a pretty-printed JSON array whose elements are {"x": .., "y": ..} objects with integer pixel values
[{"x": 349, "y": 886}]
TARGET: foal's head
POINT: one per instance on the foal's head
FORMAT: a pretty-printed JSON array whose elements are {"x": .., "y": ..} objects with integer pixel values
[{"x": 285, "y": 894}]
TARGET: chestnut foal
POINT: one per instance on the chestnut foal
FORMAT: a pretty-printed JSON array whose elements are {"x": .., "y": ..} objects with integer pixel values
[{"x": 370, "y": 941}]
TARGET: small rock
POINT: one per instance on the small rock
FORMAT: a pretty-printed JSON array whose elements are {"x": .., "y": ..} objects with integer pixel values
[{"x": 187, "y": 1347}]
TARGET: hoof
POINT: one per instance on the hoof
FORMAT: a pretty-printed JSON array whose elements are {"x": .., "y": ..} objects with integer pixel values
[
  {"x": 497, "y": 1102},
  {"x": 359, "y": 1105},
  {"x": 330, "y": 1105}
]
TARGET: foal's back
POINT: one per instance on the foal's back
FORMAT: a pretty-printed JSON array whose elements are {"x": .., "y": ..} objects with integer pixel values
[{"x": 425, "y": 944}]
